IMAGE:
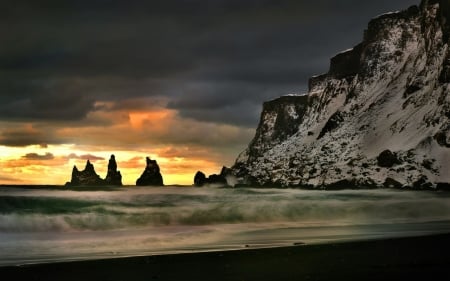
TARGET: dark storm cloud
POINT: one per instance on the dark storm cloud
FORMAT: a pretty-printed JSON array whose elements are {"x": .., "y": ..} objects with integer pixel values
[
  {"x": 55, "y": 101},
  {"x": 58, "y": 58},
  {"x": 36, "y": 156},
  {"x": 27, "y": 135},
  {"x": 222, "y": 102}
]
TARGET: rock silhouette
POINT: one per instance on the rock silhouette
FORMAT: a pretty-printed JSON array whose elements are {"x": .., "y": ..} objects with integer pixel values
[
  {"x": 151, "y": 175},
  {"x": 200, "y": 178},
  {"x": 113, "y": 177},
  {"x": 86, "y": 177}
]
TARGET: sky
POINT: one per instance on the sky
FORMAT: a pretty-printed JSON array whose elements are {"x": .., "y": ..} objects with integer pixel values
[{"x": 180, "y": 81}]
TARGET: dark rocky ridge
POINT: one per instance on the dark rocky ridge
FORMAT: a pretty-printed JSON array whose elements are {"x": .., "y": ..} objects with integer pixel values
[
  {"x": 388, "y": 93},
  {"x": 88, "y": 177},
  {"x": 151, "y": 175},
  {"x": 200, "y": 178}
]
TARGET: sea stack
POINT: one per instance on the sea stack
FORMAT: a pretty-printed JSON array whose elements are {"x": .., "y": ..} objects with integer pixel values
[
  {"x": 87, "y": 177},
  {"x": 151, "y": 175},
  {"x": 200, "y": 178},
  {"x": 113, "y": 177}
]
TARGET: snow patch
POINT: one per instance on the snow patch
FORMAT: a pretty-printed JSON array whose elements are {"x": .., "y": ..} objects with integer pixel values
[{"x": 395, "y": 102}]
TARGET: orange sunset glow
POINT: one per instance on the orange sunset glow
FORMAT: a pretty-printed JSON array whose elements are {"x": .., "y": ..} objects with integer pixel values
[{"x": 181, "y": 146}]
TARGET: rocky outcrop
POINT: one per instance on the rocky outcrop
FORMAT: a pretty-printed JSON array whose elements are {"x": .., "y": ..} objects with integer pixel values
[
  {"x": 87, "y": 177},
  {"x": 113, "y": 176},
  {"x": 200, "y": 178},
  {"x": 379, "y": 117},
  {"x": 151, "y": 175},
  {"x": 387, "y": 159}
]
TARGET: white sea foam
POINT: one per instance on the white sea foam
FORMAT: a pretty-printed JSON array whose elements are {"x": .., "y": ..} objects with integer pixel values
[{"x": 37, "y": 225}]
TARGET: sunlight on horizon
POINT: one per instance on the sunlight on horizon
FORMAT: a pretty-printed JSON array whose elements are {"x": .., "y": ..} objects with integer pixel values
[{"x": 53, "y": 165}]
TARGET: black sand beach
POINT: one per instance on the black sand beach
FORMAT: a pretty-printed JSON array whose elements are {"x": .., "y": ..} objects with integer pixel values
[{"x": 414, "y": 258}]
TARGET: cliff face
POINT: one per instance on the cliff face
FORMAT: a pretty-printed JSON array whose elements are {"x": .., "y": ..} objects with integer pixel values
[{"x": 389, "y": 93}]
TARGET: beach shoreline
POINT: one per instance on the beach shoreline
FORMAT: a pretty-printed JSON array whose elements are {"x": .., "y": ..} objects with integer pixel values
[{"x": 414, "y": 258}]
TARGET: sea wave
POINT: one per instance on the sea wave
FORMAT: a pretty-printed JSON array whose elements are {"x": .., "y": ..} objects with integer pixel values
[{"x": 42, "y": 211}]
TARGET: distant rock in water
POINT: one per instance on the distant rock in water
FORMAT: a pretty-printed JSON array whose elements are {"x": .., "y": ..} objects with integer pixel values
[
  {"x": 151, "y": 175},
  {"x": 113, "y": 177},
  {"x": 200, "y": 179},
  {"x": 87, "y": 177}
]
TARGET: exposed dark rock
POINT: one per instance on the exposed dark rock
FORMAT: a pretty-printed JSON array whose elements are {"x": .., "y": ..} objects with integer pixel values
[
  {"x": 221, "y": 179},
  {"x": 445, "y": 186},
  {"x": 285, "y": 122},
  {"x": 313, "y": 81},
  {"x": 387, "y": 159},
  {"x": 275, "y": 184},
  {"x": 351, "y": 162},
  {"x": 248, "y": 181},
  {"x": 444, "y": 15},
  {"x": 351, "y": 184},
  {"x": 113, "y": 177},
  {"x": 429, "y": 165},
  {"x": 199, "y": 179},
  {"x": 332, "y": 123},
  {"x": 346, "y": 63},
  {"x": 391, "y": 183},
  {"x": 226, "y": 172},
  {"x": 340, "y": 185},
  {"x": 74, "y": 179},
  {"x": 422, "y": 183},
  {"x": 151, "y": 175},
  {"x": 441, "y": 139},
  {"x": 87, "y": 177},
  {"x": 415, "y": 86},
  {"x": 444, "y": 77},
  {"x": 217, "y": 179}
]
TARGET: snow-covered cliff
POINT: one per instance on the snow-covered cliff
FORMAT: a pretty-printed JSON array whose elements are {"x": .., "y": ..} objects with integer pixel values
[{"x": 379, "y": 117}]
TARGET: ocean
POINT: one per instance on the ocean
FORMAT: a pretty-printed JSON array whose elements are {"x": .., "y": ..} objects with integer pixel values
[{"x": 46, "y": 225}]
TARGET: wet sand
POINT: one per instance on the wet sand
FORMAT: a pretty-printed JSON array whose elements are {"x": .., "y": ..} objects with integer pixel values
[{"x": 414, "y": 258}]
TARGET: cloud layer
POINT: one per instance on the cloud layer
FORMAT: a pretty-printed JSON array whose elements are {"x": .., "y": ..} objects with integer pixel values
[
  {"x": 150, "y": 75},
  {"x": 58, "y": 59}
]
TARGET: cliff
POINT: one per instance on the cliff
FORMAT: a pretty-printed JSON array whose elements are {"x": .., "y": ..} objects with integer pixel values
[{"x": 386, "y": 97}]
